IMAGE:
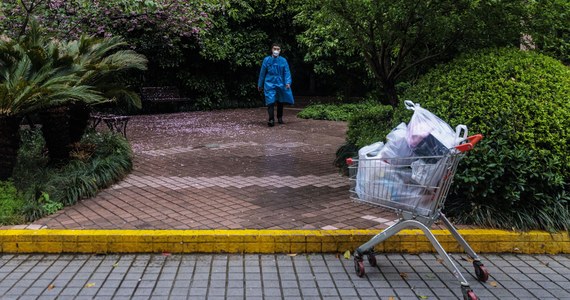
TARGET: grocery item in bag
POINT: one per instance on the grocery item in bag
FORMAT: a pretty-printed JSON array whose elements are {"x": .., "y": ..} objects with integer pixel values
[
  {"x": 396, "y": 145},
  {"x": 428, "y": 135}
]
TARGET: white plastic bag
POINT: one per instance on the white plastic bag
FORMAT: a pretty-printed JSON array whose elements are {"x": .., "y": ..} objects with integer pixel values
[
  {"x": 370, "y": 151},
  {"x": 396, "y": 145},
  {"x": 367, "y": 167},
  {"x": 387, "y": 184},
  {"x": 431, "y": 130}
]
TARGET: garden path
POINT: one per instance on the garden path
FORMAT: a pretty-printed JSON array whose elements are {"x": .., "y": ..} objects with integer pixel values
[{"x": 227, "y": 170}]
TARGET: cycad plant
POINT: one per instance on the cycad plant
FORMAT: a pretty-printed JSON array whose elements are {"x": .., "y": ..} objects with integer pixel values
[
  {"x": 99, "y": 63},
  {"x": 33, "y": 77}
]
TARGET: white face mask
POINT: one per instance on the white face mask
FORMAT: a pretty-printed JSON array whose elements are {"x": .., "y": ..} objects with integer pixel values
[{"x": 276, "y": 53}]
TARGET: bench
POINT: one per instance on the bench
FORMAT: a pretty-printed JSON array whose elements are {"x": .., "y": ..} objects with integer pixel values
[
  {"x": 154, "y": 98},
  {"x": 161, "y": 94},
  {"x": 115, "y": 123}
]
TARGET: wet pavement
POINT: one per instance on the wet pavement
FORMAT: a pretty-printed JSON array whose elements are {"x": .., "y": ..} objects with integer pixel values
[
  {"x": 227, "y": 170},
  {"x": 311, "y": 276}
]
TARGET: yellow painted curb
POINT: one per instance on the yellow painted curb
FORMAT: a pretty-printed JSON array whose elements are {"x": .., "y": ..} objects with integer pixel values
[{"x": 271, "y": 241}]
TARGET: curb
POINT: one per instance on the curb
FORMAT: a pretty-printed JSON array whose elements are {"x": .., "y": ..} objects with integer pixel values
[{"x": 271, "y": 241}]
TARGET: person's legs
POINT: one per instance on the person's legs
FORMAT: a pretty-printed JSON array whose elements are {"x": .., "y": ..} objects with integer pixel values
[
  {"x": 270, "y": 112},
  {"x": 280, "y": 112}
]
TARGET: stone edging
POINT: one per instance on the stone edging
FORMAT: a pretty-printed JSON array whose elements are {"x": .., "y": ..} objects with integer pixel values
[{"x": 271, "y": 241}]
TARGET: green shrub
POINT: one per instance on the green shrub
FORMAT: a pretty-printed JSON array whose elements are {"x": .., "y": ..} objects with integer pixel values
[
  {"x": 364, "y": 128},
  {"x": 100, "y": 160},
  {"x": 11, "y": 203},
  {"x": 370, "y": 126},
  {"x": 520, "y": 101},
  {"x": 338, "y": 112}
]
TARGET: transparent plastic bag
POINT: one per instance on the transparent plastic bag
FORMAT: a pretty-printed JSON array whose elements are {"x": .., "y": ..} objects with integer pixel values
[
  {"x": 367, "y": 166},
  {"x": 388, "y": 184},
  {"x": 424, "y": 125},
  {"x": 397, "y": 145},
  {"x": 428, "y": 174}
]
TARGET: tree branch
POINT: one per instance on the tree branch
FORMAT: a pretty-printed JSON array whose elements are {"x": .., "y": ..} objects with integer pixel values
[{"x": 29, "y": 11}]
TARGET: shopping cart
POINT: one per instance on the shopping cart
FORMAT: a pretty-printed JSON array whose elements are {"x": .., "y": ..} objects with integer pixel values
[{"x": 416, "y": 188}]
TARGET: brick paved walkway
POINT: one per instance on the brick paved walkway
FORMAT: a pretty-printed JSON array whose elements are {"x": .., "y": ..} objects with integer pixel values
[
  {"x": 227, "y": 170},
  {"x": 315, "y": 276}
]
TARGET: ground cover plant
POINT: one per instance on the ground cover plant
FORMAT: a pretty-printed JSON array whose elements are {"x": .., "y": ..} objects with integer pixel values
[
  {"x": 98, "y": 161},
  {"x": 11, "y": 203},
  {"x": 337, "y": 112}
]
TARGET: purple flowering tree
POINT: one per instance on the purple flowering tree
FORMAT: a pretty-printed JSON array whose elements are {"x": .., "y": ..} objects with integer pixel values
[{"x": 157, "y": 28}]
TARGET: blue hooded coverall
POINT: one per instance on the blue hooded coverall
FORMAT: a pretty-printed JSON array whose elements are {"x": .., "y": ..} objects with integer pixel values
[{"x": 273, "y": 77}]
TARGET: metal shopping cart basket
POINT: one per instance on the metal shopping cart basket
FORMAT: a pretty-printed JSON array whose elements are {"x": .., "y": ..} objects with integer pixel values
[{"x": 416, "y": 188}]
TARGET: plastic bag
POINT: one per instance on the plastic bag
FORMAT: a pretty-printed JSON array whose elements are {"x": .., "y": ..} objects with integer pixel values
[
  {"x": 428, "y": 174},
  {"x": 386, "y": 185},
  {"x": 370, "y": 151},
  {"x": 426, "y": 125},
  {"x": 397, "y": 145},
  {"x": 367, "y": 166}
]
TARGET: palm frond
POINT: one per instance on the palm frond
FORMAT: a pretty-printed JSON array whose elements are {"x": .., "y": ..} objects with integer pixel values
[{"x": 36, "y": 73}]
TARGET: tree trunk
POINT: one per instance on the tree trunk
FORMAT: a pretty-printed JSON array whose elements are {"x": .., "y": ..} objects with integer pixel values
[
  {"x": 56, "y": 132},
  {"x": 79, "y": 119},
  {"x": 391, "y": 93},
  {"x": 9, "y": 144}
]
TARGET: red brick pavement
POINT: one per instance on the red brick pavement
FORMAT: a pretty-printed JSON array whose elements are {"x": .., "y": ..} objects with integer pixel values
[{"x": 227, "y": 170}]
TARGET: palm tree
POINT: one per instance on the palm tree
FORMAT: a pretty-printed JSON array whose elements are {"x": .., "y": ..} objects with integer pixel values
[{"x": 32, "y": 78}]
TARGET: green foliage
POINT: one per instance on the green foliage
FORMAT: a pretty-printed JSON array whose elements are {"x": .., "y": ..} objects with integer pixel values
[
  {"x": 394, "y": 38},
  {"x": 102, "y": 63},
  {"x": 520, "y": 101},
  {"x": 11, "y": 203},
  {"x": 370, "y": 126},
  {"x": 364, "y": 128},
  {"x": 337, "y": 112},
  {"x": 37, "y": 74},
  {"x": 100, "y": 160},
  {"x": 549, "y": 27},
  {"x": 239, "y": 37}
]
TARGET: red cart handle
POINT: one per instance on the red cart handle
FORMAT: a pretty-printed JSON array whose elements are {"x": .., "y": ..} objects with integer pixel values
[{"x": 471, "y": 142}]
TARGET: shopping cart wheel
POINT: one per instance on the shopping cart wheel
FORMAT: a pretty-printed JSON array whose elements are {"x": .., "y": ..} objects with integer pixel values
[
  {"x": 471, "y": 296},
  {"x": 480, "y": 271},
  {"x": 372, "y": 259},
  {"x": 359, "y": 267}
]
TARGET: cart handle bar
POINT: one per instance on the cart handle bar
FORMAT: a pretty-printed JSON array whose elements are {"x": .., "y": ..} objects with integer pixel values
[
  {"x": 469, "y": 145},
  {"x": 471, "y": 142}
]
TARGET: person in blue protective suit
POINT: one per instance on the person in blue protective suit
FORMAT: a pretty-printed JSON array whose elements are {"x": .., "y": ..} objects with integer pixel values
[{"x": 275, "y": 82}]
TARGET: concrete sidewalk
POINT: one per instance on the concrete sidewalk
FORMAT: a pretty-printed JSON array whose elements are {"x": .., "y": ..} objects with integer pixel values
[{"x": 315, "y": 276}]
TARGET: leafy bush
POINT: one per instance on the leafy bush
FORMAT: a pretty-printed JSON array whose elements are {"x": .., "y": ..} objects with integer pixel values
[
  {"x": 338, "y": 112},
  {"x": 370, "y": 126},
  {"x": 364, "y": 128},
  {"x": 520, "y": 101},
  {"x": 100, "y": 160},
  {"x": 11, "y": 203}
]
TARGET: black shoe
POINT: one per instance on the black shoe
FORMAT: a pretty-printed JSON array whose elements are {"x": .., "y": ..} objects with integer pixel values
[
  {"x": 280, "y": 121},
  {"x": 270, "y": 123}
]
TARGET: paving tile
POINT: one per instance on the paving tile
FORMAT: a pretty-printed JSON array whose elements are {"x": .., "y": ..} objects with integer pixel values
[{"x": 169, "y": 179}]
